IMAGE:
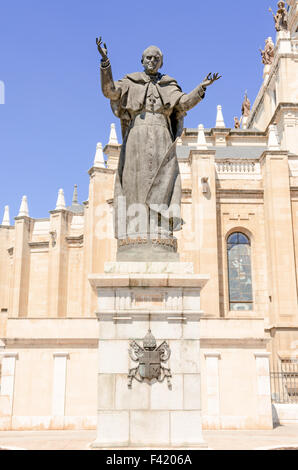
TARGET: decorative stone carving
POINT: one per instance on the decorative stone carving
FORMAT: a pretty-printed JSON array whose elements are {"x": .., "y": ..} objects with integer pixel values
[
  {"x": 205, "y": 186},
  {"x": 150, "y": 359},
  {"x": 53, "y": 235},
  {"x": 237, "y": 123},
  {"x": 281, "y": 17},
  {"x": 268, "y": 52},
  {"x": 245, "y": 106}
]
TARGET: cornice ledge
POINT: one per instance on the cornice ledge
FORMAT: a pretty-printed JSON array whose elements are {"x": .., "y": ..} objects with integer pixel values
[
  {"x": 198, "y": 152},
  {"x": 95, "y": 169},
  {"x": 39, "y": 244},
  {"x": 240, "y": 190},
  {"x": 273, "y": 153}
]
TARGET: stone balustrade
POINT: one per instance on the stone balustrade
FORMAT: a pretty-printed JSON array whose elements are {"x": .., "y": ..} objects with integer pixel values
[{"x": 241, "y": 168}]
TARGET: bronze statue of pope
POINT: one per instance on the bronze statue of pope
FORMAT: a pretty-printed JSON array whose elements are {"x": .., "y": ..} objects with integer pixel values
[{"x": 151, "y": 107}]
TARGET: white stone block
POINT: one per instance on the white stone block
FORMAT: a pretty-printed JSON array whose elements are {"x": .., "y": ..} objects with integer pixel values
[
  {"x": 192, "y": 391},
  {"x": 191, "y": 328},
  {"x": 164, "y": 329},
  {"x": 123, "y": 298},
  {"x": 5, "y": 408},
  {"x": 150, "y": 428},
  {"x": 185, "y": 356},
  {"x": 263, "y": 385},
  {"x": 8, "y": 376},
  {"x": 174, "y": 299},
  {"x": 113, "y": 357},
  {"x": 262, "y": 365},
  {"x": 112, "y": 428},
  {"x": 106, "y": 299},
  {"x": 136, "y": 398},
  {"x": 186, "y": 428},
  {"x": 59, "y": 383},
  {"x": 191, "y": 299},
  {"x": 162, "y": 398},
  {"x": 136, "y": 328},
  {"x": 7, "y": 385},
  {"x": 106, "y": 327},
  {"x": 106, "y": 391},
  {"x": 286, "y": 412}
]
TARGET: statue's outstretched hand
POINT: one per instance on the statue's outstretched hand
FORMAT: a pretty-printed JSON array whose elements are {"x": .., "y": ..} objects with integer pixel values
[
  {"x": 210, "y": 79},
  {"x": 102, "y": 50}
]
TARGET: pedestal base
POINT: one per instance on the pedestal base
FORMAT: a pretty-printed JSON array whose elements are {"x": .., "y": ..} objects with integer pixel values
[
  {"x": 147, "y": 249},
  {"x": 165, "y": 298},
  {"x": 149, "y": 428}
]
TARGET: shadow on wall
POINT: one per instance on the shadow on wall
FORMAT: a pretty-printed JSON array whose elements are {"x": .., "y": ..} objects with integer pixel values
[{"x": 275, "y": 417}]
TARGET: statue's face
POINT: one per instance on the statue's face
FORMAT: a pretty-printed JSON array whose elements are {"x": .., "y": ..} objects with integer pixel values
[{"x": 152, "y": 60}]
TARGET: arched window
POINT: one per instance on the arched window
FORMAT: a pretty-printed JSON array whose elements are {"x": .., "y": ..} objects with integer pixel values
[{"x": 239, "y": 269}]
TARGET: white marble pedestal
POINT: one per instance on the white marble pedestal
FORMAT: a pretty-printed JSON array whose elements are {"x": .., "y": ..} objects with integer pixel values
[{"x": 133, "y": 297}]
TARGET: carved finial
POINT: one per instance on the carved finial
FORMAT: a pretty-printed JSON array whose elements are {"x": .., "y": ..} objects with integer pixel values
[
  {"x": 201, "y": 141},
  {"x": 219, "y": 117},
  {"x": 113, "y": 136},
  {"x": 24, "y": 211},
  {"x": 60, "y": 204},
  {"x": 273, "y": 143},
  {"x": 6, "y": 220},
  {"x": 75, "y": 194},
  {"x": 99, "y": 160}
]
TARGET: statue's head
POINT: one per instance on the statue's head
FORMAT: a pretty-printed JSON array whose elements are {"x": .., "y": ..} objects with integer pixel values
[
  {"x": 281, "y": 4},
  {"x": 152, "y": 59}
]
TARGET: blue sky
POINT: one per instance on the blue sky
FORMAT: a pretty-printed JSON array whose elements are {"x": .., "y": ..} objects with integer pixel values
[{"x": 54, "y": 112}]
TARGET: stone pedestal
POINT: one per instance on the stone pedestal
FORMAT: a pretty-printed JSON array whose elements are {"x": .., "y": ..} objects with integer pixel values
[
  {"x": 132, "y": 298},
  {"x": 283, "y": 42},
  {"x": 266, "y": 73}
]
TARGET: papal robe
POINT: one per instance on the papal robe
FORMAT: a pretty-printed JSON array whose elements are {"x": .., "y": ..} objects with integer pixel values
[{"x": 151, "y": 120}]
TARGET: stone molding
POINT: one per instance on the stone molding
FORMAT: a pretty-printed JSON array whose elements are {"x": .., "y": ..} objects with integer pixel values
[
  {"x": 234, "y": 342},
  {"x": 7, "y": 353},
  {"x": 95, "y": 169},
  {"x": 50, "y": 342},
  {"x": 212, "y": 354},
  {"x": 198, "y": 153},
  {"x": 148, "y": 280}
]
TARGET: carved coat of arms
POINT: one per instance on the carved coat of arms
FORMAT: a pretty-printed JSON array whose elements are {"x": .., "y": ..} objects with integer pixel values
[{"x": 150, "y": 359}]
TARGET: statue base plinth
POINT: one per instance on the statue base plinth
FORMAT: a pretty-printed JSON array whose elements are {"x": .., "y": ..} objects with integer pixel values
[
  {"x": 163, "y": 297},
  {"x": 143, "y": 248}
]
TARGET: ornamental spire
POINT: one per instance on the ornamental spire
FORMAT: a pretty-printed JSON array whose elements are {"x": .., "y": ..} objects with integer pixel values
[
  {"x": 219, "y": 117},
  {"x": 273, "y": 143},
  {"x": 75, "y": 194},
  {"x": 24, "y": 211},
  {"x": 60, "y": 204},
  {"x": 99, "y": 160},
  {"x": 6, "y": 220},
  {"x": 113, "y": 140},
  {"x": 201, "y": 141}
]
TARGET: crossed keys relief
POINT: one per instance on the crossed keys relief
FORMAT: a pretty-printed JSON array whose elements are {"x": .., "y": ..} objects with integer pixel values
[{"x": 150, "y": 359}]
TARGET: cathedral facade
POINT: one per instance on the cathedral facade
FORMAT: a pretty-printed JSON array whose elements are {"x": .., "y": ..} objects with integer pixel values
[{"x": 240, "y": 208}]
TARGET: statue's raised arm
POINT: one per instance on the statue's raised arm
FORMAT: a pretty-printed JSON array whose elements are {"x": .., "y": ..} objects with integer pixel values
[
  {"x": 107, "y": 83},
  {"x": 188, "y": 101}
]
